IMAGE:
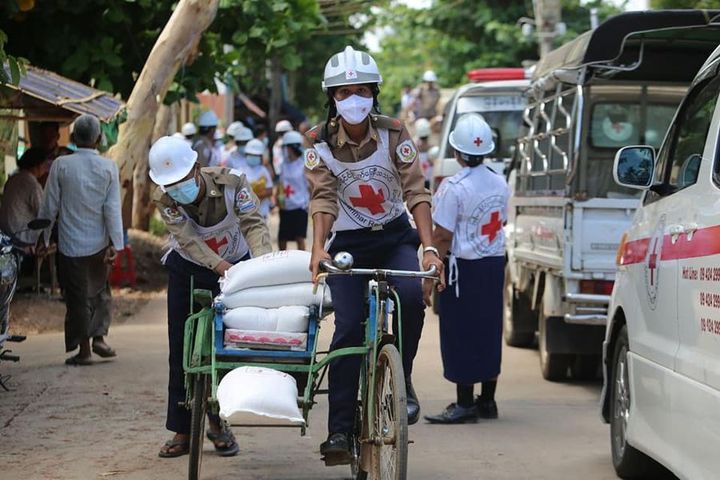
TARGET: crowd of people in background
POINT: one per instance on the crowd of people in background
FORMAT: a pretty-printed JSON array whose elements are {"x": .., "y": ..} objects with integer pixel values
[{"x": 275, "y": 172}]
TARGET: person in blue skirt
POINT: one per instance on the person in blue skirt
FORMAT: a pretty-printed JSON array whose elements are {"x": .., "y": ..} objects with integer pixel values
[{"x": 469, "y": 210}]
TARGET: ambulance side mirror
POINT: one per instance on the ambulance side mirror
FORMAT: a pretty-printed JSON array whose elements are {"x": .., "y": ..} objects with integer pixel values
[{"x": 634, "y": 167}]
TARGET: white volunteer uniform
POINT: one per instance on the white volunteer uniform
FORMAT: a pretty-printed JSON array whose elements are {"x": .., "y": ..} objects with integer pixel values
[
  {"x": 226, "y": 235},
  {"x": 236, "y": 161},
  {"x": 369, "y": 191},
  {"x": 297, "y": 192},
  {"x": 259, "y": 174},
  {"x": 473, "y": 205}
]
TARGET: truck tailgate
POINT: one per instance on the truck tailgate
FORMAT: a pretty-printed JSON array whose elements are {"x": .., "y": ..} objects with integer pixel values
[{"x": 598, "y": 225}]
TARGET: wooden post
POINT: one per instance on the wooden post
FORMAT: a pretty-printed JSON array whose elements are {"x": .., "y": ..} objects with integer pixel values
[
  {"x": 142, "y": 185},
  {"x": 176, "y": 42}
]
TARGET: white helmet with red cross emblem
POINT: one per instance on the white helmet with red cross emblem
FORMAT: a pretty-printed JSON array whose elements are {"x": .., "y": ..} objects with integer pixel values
[
  {"x": 472, "y": 135},
  {"x": 350, "y": 67},
  {"x": 170, "y": 159}
]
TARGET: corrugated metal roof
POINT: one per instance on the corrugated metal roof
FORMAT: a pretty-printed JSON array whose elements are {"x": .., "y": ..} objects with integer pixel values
[{"x": 58, "y": 91}]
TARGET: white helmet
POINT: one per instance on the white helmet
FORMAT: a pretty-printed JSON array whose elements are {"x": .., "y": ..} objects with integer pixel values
[
  {"x": 171, "y": 159},
  {"x": 208, "y": 119},
  {"x": 472, "y": 135},
  {"x": 178, "y": 135},
  {"x": 350, "y": 67},
  {"x": 233, "y": 128},
  {"x": 429, "y": 76},
  {"x": 219, "y": 134},
  {"x": 283, "y": 126},
  {"x": 292, "y": 138},
  {"x": 255, "y": 147},
  {"x": 243, "y": 134},
  {"x": 188, "y": 129},
  {"x": 422, "y": 127}
]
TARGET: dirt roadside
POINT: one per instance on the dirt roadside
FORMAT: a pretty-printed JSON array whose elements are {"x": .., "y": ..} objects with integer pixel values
[{"x": 32, "y": 313}]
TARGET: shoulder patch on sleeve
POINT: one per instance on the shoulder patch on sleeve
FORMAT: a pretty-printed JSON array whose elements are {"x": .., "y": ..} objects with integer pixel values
[
  {"x": 244, "y": 200},
  {"x": 312, "y": 158},
  {"x": 407, "y": 151},
  {"x": 172, "y": 216}
]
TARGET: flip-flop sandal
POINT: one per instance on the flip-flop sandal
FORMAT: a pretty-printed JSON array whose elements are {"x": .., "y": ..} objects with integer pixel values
[
  {"x": 104, "y": 352},
  {"x": 78, "y": 360},
  {"x": 231, "y": 447},
  {"x": 170, "y": 450}
]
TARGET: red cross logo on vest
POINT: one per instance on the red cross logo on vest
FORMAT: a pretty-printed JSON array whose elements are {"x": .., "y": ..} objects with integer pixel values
[
  {"x": 477, "y": 141},
  {"x": 215, "y": 245},
  {"x": 492, "y": 228},
  {"x": 289, "y": 190},
  {"x": 369, "y": 199},
  {"x": 652, "y": 263}
]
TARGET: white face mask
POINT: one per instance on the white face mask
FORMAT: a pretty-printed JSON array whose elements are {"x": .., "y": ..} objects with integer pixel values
[{"x": 354, "y": 109}]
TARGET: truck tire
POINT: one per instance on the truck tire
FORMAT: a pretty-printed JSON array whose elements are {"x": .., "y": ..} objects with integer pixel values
[
  {"x": 627, "y": 460},
  {"x": 518, "y": 317},
  {"x": 554, "y": 366},
  {"x": 585, "y": 367}
]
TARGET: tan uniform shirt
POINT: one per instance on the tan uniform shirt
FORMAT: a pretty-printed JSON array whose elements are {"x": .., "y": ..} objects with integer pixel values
[
  {"x": 204, "y": 148},
  {"x": 323, "y": 184},
  {"x": 210, "y": 211},
  {"x": 428, "y": 99}
]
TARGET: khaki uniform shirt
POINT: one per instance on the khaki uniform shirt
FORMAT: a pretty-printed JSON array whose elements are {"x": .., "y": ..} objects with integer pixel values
[
  {"x": 428, "y": 99},
  {"x": 323, "y": 184},
  {"x": 204, "y": 148},
  {"x": 210, "y": 211}
]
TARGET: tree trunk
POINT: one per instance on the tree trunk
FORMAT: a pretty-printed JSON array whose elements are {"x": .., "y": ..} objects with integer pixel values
[
  {"x": 142, "y": 185},
  {"x": 177, "y": 41}
]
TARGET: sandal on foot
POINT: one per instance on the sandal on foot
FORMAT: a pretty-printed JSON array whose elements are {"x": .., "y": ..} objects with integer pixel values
[
  {"x": 174, "y": 448},
  {"x": 227, "y": 439},
  {"x": 103, "y": 350},
  {"x": 78, "y": 360}
]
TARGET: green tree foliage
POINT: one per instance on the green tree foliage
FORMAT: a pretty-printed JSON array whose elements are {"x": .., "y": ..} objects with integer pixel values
[
  {"x": 668, "y": 4},
  {"x": 453, "y": 37}
]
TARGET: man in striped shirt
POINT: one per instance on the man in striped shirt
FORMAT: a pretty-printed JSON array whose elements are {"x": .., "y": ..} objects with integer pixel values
[{"x": 83, "y": 195}]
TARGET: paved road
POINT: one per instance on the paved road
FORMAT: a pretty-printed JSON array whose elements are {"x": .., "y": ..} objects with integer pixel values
[{"x": 107, "y": 421}]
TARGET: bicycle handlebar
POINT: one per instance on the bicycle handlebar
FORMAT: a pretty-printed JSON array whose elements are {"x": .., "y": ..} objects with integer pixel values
[{"x": 333, "y": 270}]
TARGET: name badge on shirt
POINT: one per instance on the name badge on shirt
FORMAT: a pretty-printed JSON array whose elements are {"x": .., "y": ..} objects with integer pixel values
[{"x": 244, "y": 201}]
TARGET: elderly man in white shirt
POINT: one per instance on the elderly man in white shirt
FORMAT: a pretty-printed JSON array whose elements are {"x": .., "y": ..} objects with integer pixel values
[{"x": 83, "y": 194}]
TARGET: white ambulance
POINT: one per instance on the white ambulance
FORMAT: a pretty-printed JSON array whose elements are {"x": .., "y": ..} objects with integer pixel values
[{"x": 662, "y": 346}]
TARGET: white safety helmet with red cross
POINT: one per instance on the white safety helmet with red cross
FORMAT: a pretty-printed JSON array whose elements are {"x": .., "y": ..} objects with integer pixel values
[
  {"x": 292, "y": 138},
  {"x": 170, "y": 159},
  {"x": 283, "y": 126},
  {"x": 208, "y": 119},
  {"x": 350, "y": 67},
  {"x": 243, "y": 134},
  {"x": 472, "y": 135},
  {"x": 255, "y": 147}
]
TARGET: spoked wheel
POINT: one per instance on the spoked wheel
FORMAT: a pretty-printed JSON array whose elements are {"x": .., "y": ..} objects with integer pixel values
[
  {"x": 197, "y": 425},
  {"x": 390, "y": 445}
]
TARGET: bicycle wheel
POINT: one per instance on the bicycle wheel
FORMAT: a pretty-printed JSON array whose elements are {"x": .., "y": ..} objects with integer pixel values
[
  {"x": 197, "y": 426},
  {"x": 356, "y": 472},
  {"x": 390, "y": 447}
]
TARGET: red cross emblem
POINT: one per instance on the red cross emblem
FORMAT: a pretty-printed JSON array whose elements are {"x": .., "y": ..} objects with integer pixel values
[
  {"x": 288, "y": 190},
  {"x": 492, "y": 228},
  {"x": 477, "y": 141},
  {"x": 215, "y": 245},
  {"x": 369, "y": 199},
  {"x": 405, "y": 151},
  {"x": 652, "y": 263},
  {"x": 618, "y": 127}
]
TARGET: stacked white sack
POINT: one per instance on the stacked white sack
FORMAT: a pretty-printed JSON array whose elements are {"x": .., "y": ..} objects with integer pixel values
[
  {"x": 259, "y": 396},
  {"x": 273, "y": 280}
]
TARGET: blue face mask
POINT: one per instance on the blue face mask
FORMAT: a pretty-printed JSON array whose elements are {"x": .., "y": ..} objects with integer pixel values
[
  {"x": 185, "y": 192},
  {"x": 253, "y": 160}
]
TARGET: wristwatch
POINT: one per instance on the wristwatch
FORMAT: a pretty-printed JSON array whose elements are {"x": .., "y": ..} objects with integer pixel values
[{"x": 432, "y": 250}]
